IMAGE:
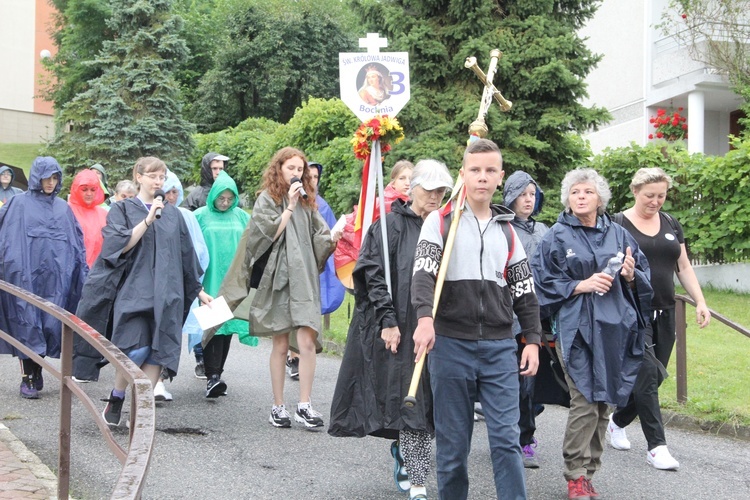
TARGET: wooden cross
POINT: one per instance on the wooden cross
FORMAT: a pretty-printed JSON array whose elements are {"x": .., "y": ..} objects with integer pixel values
[
  {"x": 478, "y": 126},
  {"x": 373, "y": 42}
]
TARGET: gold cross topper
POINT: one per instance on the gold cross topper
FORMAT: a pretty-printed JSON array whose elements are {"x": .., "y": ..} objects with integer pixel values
[{"x": 478, "y": 127}]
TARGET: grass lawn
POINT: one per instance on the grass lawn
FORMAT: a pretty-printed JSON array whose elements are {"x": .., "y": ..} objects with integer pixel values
[
  {"x": 718, "y": 361},
  {"x": 19, "y": 155}
]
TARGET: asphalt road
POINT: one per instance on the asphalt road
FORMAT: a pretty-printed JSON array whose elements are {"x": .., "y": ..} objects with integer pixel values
[{"x": 226, "y": 449}]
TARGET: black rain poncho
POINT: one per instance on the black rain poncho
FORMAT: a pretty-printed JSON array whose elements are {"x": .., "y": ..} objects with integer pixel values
[
  {"x": 602, "y": 336},
  {"x": 141, "y": 297},
  {"x": 372, "y": 381}
]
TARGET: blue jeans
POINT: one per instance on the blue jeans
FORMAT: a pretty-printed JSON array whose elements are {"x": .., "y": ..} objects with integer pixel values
[{"x": 462, "y": 372}]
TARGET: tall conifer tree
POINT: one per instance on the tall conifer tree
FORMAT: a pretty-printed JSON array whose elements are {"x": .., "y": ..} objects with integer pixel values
[
  {"x": 132, "y": 109},
  {"x": 542, "y": 71}
]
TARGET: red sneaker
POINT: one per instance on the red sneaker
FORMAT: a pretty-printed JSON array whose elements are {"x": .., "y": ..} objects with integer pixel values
[
  {"x": 592, "y": 491},
  {"x": 578, "y": 489}
]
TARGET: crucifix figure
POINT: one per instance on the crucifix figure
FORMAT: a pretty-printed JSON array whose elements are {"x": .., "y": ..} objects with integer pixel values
[{"x": 478, "y": 126}]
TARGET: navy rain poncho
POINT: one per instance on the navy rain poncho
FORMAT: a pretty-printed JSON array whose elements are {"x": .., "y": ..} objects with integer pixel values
[
  {"x": 41, "y": 250},
  {"x": 602, "y": 336}
]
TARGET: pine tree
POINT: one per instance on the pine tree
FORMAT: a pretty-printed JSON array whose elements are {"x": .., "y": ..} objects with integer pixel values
[
  {"x": 132, "y": 109},
  {"x": 542, "y": 71}
]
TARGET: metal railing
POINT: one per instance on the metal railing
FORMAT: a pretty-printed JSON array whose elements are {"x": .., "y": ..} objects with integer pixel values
[
  {"x": 135, "y": 460},
  {"x": 681, "y": 341}
]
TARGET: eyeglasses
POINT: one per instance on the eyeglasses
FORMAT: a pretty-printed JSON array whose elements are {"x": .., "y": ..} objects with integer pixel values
[
  {"x": 225, "y": 200},
  {"x": 156, "y": 177}
]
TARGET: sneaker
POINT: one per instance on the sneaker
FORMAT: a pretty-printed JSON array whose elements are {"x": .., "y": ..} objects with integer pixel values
[
  {"x": 308, "y": 416},
  {"x": 215, "y": 387},
  {"x": 579, "y": 489},
  {"x": 418, "y": 493},
  {"x": 113, "y": 411},
  {"x": 280, "y": 417},
  {"x": 617, "y": 436},
  {"x": 292, "y": 367},
  {"x": 161, "y": 393},
  {"x": 28, "y": 389},
  {"x": 660, "y": 458},
  {"x": 592, "y": 491},
  {"x": 478, "y": 412},
  {"x": 200, "y": 371},
  {"x": 400, "y": 476},
  {"x": 530, "y": 460},
  {"x": 38, "y": 378},
  {"x": 81, "y": 380}
]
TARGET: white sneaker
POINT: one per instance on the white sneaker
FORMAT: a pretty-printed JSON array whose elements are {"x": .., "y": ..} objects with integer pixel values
[
  {"x": 161, "y": 393},
  {"x": 617, "y": 436},
  {"x": 660, "y": 458}
]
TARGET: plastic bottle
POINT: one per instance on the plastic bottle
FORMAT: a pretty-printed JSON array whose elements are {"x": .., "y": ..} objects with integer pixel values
[{"x": 613, "y": 266}]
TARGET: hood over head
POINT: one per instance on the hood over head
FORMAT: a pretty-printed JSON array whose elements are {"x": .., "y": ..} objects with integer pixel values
[
  {"x": 221, "y": 184},
  {"x": 6, "y": 168},
  {"x": 173, "y": 182},
  {"x": 207, "y": 177},
  {"x": 517, "y": 184},
  {"x": 89, "y": 179},
  {"x": 44, "y": 167},
  {"x": 99, "y": 168}
]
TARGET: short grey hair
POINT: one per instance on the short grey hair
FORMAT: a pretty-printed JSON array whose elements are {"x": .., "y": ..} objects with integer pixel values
[
  {"x": 426, "y": 170},
  {"x": 585, "y": 176},
  {"x": 649, "y": 175}
]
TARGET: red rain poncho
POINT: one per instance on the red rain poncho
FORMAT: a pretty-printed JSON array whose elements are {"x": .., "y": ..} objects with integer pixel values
[{"x": 91, "y": 217}]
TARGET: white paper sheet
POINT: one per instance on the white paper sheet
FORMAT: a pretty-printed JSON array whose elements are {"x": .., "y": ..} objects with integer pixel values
[{"x": 215, "y": 314}]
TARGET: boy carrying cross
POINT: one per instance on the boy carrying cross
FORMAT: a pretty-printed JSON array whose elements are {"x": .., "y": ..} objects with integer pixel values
[{"x": 472, "y": 352}]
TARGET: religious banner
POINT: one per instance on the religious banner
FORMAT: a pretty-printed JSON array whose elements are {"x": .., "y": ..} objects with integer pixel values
[
  {"x": 374, "y": 83},
  {"x": 375, "y": 86}
]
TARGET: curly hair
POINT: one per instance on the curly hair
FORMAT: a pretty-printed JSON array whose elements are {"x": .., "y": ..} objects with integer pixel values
[
  {"x": 273, "y": 180},
  {"x": 147, "y": 164},
  {"x": 585, "y": 176}
]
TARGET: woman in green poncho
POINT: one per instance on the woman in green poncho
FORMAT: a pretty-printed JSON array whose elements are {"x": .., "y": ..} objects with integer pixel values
[{"x": 222, "y": 224}]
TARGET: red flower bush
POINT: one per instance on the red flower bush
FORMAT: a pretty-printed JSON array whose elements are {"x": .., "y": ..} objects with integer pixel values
[{"x": 672, "y": 127}]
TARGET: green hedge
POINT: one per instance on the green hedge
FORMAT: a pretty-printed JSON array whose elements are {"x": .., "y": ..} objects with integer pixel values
[{"x": 710, "y": 195}]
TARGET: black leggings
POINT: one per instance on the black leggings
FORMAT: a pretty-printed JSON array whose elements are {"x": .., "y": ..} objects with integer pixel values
[
  {"x": 215, "y": 354},
  {"x": 644, "y": 400},
  {"x": 29, "y": 367}
]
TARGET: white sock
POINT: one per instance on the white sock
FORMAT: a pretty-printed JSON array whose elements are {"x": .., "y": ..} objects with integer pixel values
[
  {"x": 302, "y": 406},
  {"x": 417, "y": 490}
]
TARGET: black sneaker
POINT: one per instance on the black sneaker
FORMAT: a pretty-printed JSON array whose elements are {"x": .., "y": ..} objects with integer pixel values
[
  {"x": 200, "y": 370},
  {"x": 308, "y": 416},
  {"x": 292, "y": 367},
  {"x": 280, "y": 417},
  {"x": 113, "y": 411},
  {"x": 215, "y": 387}
]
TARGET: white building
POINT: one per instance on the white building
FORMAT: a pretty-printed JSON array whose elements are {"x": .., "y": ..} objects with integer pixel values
[
  {"x": 643, "y": 70},
  {"x": 24, "y": 34}
]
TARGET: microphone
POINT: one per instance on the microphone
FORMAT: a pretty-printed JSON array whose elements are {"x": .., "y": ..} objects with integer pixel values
[
  {"x": 159, "y": 194},
  {"x": 302, "y": 189}
]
